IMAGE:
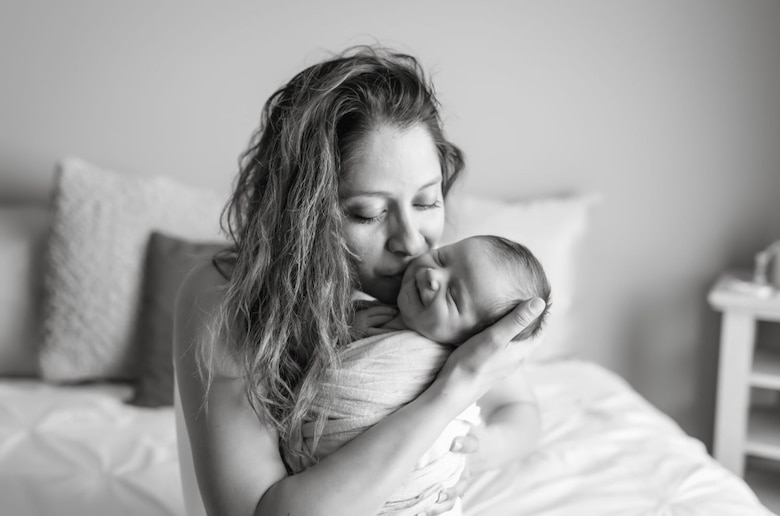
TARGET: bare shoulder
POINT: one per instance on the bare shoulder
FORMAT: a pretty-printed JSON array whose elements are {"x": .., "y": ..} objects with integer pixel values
[
  {"x": 197, "y": 306},
  {"x": 203, "y": 287},
  {"x": 231, "y": 478}
]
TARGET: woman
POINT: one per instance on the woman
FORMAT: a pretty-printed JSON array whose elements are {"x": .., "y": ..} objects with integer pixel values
[{"x": 341, "y": 187}]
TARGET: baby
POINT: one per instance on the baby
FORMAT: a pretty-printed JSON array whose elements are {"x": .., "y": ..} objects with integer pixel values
[
  {"x": 453, "y": 292},
  {"x": 447, "y": 295}
]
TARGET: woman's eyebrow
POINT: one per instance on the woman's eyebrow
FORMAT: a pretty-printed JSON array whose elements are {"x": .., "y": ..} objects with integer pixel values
[
  {"x": 382, "y": 193},
  {"x": 366, "y": 193},
  {"x": 434, "y": 182}
]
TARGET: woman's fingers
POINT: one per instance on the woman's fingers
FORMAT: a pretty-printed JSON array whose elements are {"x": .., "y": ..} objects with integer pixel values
[
  {"x": 504, "y": 330},
  {"x": 445, "y": 503},
  {"x": 468, "y": 443},
  {"x": 490, "y": 355},
  {"x": 448, "y": 497},
  {"x": 458, "y": 489}
]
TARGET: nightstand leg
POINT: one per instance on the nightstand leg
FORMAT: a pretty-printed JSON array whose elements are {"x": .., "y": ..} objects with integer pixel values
[{"x": 731, "y": 414}]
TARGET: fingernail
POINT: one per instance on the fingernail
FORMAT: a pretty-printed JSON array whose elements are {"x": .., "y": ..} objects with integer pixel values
[
  {"x": 456, "y": 446},
  {"x": 442, "y": 497},
  {"x": 537, "y": 305}
]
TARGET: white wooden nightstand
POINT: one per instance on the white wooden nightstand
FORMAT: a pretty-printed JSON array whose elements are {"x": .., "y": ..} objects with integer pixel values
[{"x": 740, "y": 431}]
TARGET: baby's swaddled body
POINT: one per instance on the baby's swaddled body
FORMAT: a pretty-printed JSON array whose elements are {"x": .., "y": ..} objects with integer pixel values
[{"x": 378, "y": 375}]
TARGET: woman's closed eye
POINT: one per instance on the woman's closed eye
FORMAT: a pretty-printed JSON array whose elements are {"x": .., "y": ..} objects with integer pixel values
[
  {"x": 362, "y": 218},
  {"x": 428, "y": 206},
  {"x": 367, "y": 218}
]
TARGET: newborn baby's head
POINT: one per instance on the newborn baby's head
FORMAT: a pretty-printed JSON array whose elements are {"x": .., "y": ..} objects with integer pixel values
[{"x": 450, "y": 293}]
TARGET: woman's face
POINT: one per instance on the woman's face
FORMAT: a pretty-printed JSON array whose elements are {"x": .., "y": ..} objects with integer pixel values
[{"x": 391, "y": 195}]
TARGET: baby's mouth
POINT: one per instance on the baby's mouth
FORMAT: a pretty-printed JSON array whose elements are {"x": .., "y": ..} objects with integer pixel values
[{"x": 419, "y": 293}]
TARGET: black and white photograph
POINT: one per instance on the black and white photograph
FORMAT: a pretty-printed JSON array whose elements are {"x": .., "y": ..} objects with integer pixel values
[{"x": 411, "y": 258}]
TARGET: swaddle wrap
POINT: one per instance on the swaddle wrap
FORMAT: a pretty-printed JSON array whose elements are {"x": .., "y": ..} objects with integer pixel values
[{"x": 378, "y": 375}]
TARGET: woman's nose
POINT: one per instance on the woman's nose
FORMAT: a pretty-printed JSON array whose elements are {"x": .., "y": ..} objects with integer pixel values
[
  {"x": 428, "y": 283},
  {"x": 405, "y": 238}
]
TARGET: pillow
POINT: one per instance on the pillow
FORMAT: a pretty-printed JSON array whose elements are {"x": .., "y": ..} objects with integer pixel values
[
  {"x": 95, "y": 253},
  {"x": 551, "y": 228},
  {"x": 23, "y": 230},
  {"x": 168, "y": 260}
]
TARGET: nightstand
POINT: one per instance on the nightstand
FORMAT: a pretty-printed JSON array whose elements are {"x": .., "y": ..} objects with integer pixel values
[{"x": 739, "y": 430}]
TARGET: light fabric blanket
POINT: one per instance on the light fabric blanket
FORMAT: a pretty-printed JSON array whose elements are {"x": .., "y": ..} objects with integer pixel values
[{"x": 378, "y": 375}]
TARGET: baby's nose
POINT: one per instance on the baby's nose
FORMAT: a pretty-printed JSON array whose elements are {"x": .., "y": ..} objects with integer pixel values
[{"x": 428, "y": 285}]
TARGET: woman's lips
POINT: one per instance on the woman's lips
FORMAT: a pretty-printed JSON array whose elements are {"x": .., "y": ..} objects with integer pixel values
[{"x": 393, "y": 274}]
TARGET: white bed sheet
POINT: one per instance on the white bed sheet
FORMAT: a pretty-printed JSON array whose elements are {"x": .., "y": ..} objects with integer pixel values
[
  {"x": 605, "y": 451},
  {"x": 82, "y": 451}
]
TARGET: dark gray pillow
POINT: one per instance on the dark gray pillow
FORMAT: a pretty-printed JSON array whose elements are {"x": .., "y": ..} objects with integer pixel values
[{"x": 168, "y": 260}]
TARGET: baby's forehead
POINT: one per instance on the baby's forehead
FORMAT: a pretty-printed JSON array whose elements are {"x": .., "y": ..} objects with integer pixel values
[
  {"x": 479, "y": 255},
  {"x": 488, "y": 276}
]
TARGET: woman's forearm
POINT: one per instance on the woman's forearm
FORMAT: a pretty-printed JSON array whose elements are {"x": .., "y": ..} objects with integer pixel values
[{"x": 361, "y": 475}]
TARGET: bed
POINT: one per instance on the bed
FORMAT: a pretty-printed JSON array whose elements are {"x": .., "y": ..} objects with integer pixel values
[
  {"x": 87, "y": 424},
  {"x": 82, "y": 450}
]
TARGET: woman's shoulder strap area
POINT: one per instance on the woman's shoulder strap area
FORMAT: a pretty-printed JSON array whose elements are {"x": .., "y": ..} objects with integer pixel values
[
  {"x": 223, "y": 261},
  {"x": 197, "y": 309}
]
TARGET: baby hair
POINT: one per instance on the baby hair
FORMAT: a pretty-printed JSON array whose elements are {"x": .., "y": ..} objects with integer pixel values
[{"x": 527, "y": 277}]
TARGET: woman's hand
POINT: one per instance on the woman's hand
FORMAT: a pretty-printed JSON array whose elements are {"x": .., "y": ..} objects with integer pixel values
[
  {"x": 489, "y": 356},
  {"x": 468, "y": 444}
]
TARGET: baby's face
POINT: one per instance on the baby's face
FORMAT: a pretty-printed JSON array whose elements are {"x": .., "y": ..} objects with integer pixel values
[{"x": 447, "y": 291}]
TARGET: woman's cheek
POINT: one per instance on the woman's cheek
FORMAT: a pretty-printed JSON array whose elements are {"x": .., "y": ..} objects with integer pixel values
[
  {"x": 434, "y": 227},
  {"x": 364, "y": 242}
]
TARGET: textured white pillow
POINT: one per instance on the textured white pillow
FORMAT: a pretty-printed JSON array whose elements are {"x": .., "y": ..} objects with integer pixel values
[
  {"x": 551, "y": 228},
  {"x": 101, "y": 224}
]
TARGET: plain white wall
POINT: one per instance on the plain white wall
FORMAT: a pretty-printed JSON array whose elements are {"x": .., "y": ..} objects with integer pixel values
[{"x": 670, "y": 109}]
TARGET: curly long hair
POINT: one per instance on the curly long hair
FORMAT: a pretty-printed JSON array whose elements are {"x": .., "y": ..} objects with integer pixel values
[{"x": 287, "y": 304}]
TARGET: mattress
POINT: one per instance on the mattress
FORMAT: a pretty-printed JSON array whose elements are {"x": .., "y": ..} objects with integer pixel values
[{"x": 604, "y": 451}]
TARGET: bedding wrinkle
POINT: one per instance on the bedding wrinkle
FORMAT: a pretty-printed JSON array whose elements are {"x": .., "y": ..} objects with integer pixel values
[{"x": 82, "y": 450}]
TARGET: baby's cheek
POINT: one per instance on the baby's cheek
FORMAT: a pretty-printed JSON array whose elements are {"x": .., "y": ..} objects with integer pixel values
[{"x": 441, "y": 324}]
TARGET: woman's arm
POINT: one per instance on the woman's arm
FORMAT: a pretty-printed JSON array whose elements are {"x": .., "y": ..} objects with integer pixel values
[
  {"x": 237, "y": 459},
  {"x": 512, "y": 425}
]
